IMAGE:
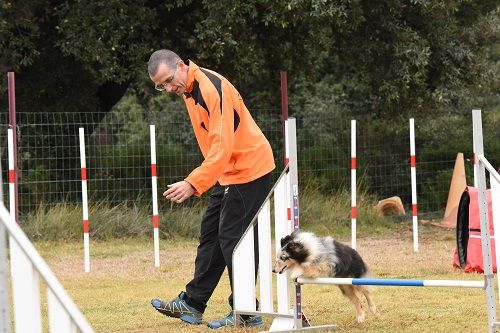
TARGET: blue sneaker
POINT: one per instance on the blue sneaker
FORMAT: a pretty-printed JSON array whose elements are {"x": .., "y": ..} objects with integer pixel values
[
  {"x": 251, "y": 321},
  {"x": 178, "y": 308}
]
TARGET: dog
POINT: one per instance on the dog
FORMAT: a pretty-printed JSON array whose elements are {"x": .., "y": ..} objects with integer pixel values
[{"x": 303, "y": 254}]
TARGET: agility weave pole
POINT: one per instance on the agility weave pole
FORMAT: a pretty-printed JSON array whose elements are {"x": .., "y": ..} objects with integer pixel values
[
  {"x": 85, "y": 204},
  {"x": 154, "y": 190},
  {"x": 413, "y": 171}
]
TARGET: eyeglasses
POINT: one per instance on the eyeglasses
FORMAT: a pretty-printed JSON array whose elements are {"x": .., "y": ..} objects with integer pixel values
[{"x": 163, "y": 86}]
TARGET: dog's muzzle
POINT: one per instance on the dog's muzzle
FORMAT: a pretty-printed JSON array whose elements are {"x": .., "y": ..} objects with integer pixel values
[{"x": 281, "y": 271}]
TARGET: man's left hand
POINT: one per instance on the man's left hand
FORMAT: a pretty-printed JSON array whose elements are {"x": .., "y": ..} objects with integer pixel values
[{"x": 178, "y": 192}]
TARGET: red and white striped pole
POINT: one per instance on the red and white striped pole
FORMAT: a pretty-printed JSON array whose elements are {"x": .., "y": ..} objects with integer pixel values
[
  {"x": 413, "y": 167},
  {"x": 353, "y": 184},
  {"x": 85, "y": 204},
  {"x": 12, "y": 174},
  {"x": 13, "y": 125},
  {"x": 154, "y": 189}
]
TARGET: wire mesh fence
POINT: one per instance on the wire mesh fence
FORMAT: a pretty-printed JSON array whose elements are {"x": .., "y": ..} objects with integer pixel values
[{"x": 119, "y": 167}]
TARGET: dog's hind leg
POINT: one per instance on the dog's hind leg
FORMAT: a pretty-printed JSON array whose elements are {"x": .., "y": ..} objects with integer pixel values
[
  {"x": 368, "y": 295},
  {"x": 350, "y": 293}
]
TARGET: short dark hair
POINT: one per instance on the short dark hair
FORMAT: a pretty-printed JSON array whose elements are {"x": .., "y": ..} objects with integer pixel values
[{"x": 162, "y": 56}]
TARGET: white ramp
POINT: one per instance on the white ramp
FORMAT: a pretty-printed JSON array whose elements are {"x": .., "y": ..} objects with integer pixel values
[{"x": 28, "y": 270}]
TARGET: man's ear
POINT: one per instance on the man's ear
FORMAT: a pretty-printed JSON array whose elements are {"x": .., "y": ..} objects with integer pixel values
[{"x": 183, "y": 66}]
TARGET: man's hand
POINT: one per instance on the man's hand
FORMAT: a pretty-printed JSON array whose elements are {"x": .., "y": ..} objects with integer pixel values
[{"x": 178, "y": 192}]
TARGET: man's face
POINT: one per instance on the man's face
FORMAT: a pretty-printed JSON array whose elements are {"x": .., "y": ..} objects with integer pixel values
[{"x": 172, "y": 81}]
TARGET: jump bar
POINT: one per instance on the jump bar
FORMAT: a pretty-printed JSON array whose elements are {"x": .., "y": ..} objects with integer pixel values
[{"x": 394, "y": 282}]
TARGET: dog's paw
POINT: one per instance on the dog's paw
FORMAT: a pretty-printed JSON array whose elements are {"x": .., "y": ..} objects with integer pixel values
[
  {"x": 373, "y": 308},
  {"x": 361, "y": 317}
]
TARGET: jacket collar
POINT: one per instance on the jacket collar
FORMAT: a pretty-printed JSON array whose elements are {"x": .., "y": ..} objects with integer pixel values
[{"x": 190, "y": 76}]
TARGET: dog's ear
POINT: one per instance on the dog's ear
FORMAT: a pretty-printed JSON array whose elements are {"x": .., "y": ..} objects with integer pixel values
[
  {"x": 294, "y": 247},
  {"x": 297, "y": 251},
  {"x": 285, "y": 240}
]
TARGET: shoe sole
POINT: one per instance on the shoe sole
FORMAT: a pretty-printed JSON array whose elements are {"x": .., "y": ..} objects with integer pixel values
[
  {"x": 184, "y": 317},
  {"x": 190, "y": 319},
  {"x": 168, "y": 314}
]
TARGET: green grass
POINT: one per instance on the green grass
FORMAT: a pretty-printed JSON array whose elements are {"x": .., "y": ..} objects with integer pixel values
[{"x": 115, "y": 295}]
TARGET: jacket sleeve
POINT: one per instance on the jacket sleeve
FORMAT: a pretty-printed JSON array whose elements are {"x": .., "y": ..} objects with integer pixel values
[{"x": 220, "y": 138}]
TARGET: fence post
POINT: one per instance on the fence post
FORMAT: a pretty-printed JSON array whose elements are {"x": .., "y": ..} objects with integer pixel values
[{"x": 353, "y": 185}]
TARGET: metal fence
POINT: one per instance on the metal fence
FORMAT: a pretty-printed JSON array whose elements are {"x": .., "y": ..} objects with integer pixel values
[{"x": 119, "y": 169}]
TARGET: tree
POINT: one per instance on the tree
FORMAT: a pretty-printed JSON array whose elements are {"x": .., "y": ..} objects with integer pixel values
[
  {"x": 382, "y": 58},
  {"x": 389, "y": 56}
]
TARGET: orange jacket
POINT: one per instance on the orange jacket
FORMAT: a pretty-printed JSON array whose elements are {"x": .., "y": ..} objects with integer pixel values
[{"x": 234, "y": 148}]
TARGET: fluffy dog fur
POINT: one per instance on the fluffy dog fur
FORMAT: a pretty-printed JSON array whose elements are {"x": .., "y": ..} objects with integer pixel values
[{"x": 305, "y": 255}]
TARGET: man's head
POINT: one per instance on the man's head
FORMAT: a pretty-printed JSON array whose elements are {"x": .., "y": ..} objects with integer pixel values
[{"x": 168, "y": 72}]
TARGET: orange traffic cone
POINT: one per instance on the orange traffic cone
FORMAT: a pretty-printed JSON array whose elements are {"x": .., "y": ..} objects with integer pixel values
[{"x": 457, "y": 187}]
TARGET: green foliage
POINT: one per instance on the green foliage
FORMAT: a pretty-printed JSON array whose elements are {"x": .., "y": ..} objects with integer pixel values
[
  {"x": 321, "y": 164},
  {"x": 111, "y": 44},
  {"x": 432, "y": 195},
  {"x": 384, "y": 61},
  {"x": 19, "y": 29},
  {"x": 386, "y": 57}
]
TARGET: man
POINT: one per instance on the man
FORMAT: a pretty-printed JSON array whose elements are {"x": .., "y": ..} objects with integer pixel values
[{"x": 237, "y": 163}]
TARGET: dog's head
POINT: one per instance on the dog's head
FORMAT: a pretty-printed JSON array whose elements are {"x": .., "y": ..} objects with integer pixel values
[{"x": 292, "y": 253}]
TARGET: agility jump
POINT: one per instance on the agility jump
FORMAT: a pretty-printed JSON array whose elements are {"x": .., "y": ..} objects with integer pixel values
[
  {"x": 394, "y": 282},
  {"x": 289, "y": 316}
]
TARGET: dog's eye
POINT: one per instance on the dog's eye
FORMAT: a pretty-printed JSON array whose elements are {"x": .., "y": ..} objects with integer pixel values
[{"x": 283, "y": 258}]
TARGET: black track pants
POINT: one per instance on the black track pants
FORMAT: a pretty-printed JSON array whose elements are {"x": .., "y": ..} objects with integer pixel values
[{"x": 229, "y": 212}]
